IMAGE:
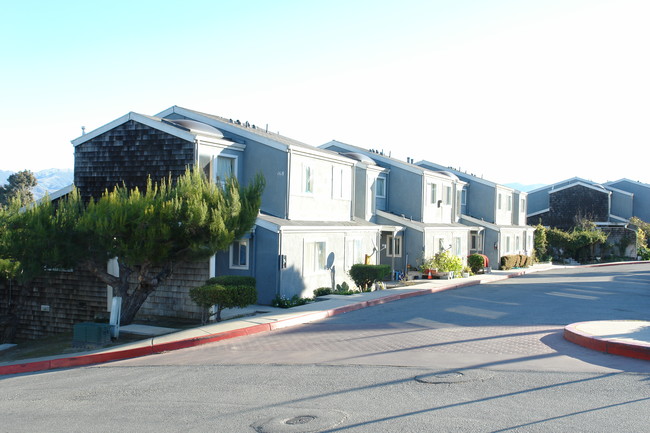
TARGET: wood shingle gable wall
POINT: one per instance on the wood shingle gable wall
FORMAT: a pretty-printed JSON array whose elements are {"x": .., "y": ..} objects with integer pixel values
[{"x": 128, "y": 154}]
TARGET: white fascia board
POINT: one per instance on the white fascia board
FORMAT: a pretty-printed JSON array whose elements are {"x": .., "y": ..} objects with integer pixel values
[
  {"x": 429, "y": 175},
  {"x": 145, "y": 120},
  {"x": 220, "y": 143},
  {"x": 619, "y": 191},
  {"x": 612, "y": 216},
  {"x": 481, "y": 223},
  {"x": 633, "y": 182},
  {"x": 375, "y": 156},
  {"x": 399, "y": 220},
  {"x": 224, "y": 126},
  {"x": 56, "y": 194},
  {"x": 423, "y": 163},
  {"x": 319, "y": 154},
  {"x": 538, "y": 212},
  {"x": 581, "y": 183},
  {"x": 267, "y": 225}
]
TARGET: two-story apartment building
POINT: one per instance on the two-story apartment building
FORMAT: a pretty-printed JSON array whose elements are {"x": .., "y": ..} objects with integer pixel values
[
  {"x": 418, "y": 208},
  {"x": 498, "y": 210},
  {"x": 306, "y": 235}
]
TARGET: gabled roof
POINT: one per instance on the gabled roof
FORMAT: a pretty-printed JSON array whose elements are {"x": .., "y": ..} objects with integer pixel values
[
  {"x": 252, "y": 132},
  {"x": 594, "y": 186},
  {"x": 566, "y": 181},
  {"x": 153, "y": 122},
  {"x": 625, "y": 180},
  {"x": 379, "y": 158},
  {"x": 433, "y": 166}
]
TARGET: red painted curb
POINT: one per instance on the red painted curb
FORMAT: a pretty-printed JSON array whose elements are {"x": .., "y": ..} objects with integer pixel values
[
  {"x": 605, "y": 345},
  {"x": 97, "y": 358}
]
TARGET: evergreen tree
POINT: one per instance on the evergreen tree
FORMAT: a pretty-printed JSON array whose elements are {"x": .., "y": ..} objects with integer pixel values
[
  {"x": 149, "y": 232},
  {"x": 19, "y": 187}
]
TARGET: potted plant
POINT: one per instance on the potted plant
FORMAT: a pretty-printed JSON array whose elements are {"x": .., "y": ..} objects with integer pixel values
[
  {"x": 466, "y": 272},
  {"x": 428, "y": 267}
]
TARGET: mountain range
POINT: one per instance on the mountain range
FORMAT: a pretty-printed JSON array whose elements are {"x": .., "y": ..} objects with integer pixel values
[
  {"x": 54, "y": 179},
  {"x": 50, "y": 180}
]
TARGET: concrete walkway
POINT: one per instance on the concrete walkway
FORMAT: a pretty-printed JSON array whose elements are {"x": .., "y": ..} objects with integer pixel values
[{"x": 269, "y": 319}]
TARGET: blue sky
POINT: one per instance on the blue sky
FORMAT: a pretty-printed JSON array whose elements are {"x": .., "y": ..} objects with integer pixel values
[{"x": 515, "y": 91}]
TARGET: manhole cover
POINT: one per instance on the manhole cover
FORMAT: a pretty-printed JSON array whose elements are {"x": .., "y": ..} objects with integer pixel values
[
  {"x": 303, "y": 419},
  {"x": 300, "y": 421}
]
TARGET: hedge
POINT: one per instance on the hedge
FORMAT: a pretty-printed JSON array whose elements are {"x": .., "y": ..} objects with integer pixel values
[
  {"x": 227, "y": 291},
  {"x": 516, "y": 261},
  {"x": 364, "y": 276}
]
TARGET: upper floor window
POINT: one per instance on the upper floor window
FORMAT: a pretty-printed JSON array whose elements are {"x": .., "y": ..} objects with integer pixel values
[
  {"x": 463, "y": 197},
  {"x": 239, "y": 254},
  {"x": 394, "y": 247},
  {"x": 225, "y": 169},
  {"x": 308, "y": 179},
  {"x": 522, "y": 206},
  {"x": 447, "y": 195},
  {"x": 433, "y": 192},
  {"x": 337, "y": 182},
  {"x": 380, "y": 187},
  {"x": 509, "y": 201},
  {"x": 499, "y": 198}
]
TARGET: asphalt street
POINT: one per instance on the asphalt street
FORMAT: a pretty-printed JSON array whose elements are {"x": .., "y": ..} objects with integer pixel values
[{"x": 486, "y": 358}]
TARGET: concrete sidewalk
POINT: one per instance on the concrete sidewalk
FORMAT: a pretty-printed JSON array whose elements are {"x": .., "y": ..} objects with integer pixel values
[{"x": 271, "y": 319}]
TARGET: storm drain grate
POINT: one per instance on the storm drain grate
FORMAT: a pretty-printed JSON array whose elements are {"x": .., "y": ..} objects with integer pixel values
[
  {"x": 302, "y": 419},
  {"x": 314, "y": 420},
  {"x": 449, "y": 377}
]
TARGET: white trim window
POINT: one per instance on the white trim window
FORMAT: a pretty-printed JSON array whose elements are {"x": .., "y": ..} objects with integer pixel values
[
  {"x": 226, "y": 168},
  {"x": 433, "y": 193},
  {"x": 315, "y": 256},
  {"x": 380, "y": 187},
  {"x": 509, "y": 201},
  {"x": 395, "y": 251},
  {"x": 307, "y": 179},
  {"x": 353, "y": 253},
  {"x": 239, "y": 254},
  {"x": 447, "y": 195},
  {"x": 499, "y": 202},
  {"x": 457, "y": 246}
]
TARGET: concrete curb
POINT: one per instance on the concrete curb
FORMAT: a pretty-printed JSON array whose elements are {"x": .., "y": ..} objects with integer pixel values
[
  {"x": 167, "y": 343},
  {"x": 638, "y": 350}
]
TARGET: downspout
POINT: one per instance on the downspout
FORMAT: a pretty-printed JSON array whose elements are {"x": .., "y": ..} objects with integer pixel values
[
  {"x": 278, "y": 286},
  {"x": 288, "y": 190}
]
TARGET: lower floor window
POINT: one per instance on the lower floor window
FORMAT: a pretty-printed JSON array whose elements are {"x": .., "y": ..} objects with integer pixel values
[
  {"x": 315, "y": 256},
  {"x": 239, "y": 254}
]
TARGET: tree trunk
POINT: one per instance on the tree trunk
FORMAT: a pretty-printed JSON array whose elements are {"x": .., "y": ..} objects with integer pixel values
[
  {"x": 143, "y": 285},
  {"x": 131, "y": 304}
]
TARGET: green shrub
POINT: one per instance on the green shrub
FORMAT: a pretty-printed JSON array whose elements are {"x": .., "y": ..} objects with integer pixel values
[
  {"x": 233, "y": 296},
  {"x": 516, "y": 261},
  {"x": 322, "y": 291},
  {"x": 232, "y": 280},
  {"x": 476, "y": 262},
  {"x": 448, "y": 262},
  {"x": 294, "y": 301},
  {"x": 364, "y": 276}
]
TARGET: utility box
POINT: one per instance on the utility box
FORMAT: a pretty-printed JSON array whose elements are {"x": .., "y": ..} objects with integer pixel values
[{"x": 91, "y": 334}]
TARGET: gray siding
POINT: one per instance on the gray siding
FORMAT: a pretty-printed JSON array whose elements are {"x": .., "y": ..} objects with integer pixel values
[
  {"x": 641, "y": 206},
  {"x": 267, "y": 270}
]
